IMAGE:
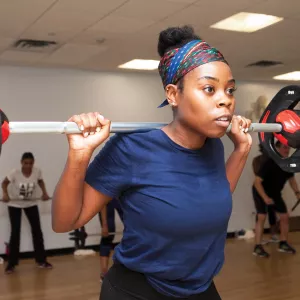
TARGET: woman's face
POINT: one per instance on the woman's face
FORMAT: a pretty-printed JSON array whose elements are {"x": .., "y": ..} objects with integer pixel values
[
  {"x": 27, "y": 164},
  {"x": 206, "y": 104}
]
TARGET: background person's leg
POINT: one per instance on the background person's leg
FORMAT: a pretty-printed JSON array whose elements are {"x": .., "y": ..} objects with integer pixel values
[
  {"x": 284, "y": 226},
  {"x": 272, "y": 217},
  {"x": 261, "y": 209},
  {"x": 106, "y": 243},
  {"x": 15, "y": 214},
  {"x": 33, "y": 217}
]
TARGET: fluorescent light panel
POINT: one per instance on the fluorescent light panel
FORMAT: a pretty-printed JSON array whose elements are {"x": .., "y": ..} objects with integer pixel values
[
  {"x": 292, "y": 76},
  {"x": 141, "y": 64},
  {"x": 246, "y": 22}
]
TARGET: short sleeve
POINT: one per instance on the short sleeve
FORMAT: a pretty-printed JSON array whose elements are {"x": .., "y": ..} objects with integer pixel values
[
  {"x": 110, "y": 171},
  {"x": 39, "y": 174},
  {"x": 11, "y": 175}
]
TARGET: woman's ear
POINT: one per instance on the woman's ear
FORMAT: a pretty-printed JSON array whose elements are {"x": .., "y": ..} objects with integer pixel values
[{"x": 171, "y": 92}]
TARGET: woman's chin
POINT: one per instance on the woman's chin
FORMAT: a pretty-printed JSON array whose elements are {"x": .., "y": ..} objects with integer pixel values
[{"x": 216, "y": 133}]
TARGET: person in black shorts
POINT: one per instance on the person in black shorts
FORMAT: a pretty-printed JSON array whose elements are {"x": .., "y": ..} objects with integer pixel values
[
  {"x": 257, "y": 162},
  {"x": 268, "y": 185},
  {"x": 107, "y": 221}
]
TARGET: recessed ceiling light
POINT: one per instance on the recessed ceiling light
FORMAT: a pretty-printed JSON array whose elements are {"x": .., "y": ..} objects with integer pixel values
[
  {"x": 294, "y": 76},
  {"x": 246, "y": 22},
  {"x": 140, "y": 64}
]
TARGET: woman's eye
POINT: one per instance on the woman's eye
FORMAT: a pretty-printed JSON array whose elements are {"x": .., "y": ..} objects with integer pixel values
[
  {"x": 209, "y": 89},
  {"x": 231, "y": 91}
]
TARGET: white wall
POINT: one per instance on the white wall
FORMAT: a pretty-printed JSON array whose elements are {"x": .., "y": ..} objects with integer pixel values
[{"x": 54, "y": 95}]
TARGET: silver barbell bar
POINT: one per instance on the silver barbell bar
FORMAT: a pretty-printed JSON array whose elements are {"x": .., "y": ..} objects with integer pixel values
[{"x": 125, "y": 127}]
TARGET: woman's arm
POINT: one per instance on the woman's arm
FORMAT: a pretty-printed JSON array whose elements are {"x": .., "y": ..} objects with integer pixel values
[
  {"x": 294, "y": 186},
  {"x": 235, "y": 166},
  {"x": 5, "y": 184},
  {"x": 242, "y": 144},
  {"x": 74, "y": 201},
  {"x": 261, "y": 191},
  {"x": 42, "y": 185}
]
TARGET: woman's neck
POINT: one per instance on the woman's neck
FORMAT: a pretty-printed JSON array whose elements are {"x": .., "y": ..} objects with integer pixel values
[
  {"x": 26, "y": 173},
  {"x": 184, "y": 136}
]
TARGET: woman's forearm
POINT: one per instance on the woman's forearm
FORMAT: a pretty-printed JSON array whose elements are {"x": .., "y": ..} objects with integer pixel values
[
  {"x": 235, "y": 166},
  {"x": 4, "y": 187},
  {"x": 260, "y": 189},
  {"x": 42, "y": 186},
  {"x": 68, "y": 195}
]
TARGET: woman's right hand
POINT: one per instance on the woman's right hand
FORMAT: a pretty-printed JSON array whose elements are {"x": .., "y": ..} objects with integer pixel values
[
  {"x": 95, "y": 130},
  {"x": 5, "y": 198},
  {"x": 269, "y": 201}
]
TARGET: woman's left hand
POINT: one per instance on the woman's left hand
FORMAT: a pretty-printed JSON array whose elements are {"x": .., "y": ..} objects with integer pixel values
[
  {"x": 239, "y": 135},
  {"x": 45, "y": 197}
]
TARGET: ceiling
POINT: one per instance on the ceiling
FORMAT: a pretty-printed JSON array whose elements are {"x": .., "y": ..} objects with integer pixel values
[{"x": 99, "y": 35}]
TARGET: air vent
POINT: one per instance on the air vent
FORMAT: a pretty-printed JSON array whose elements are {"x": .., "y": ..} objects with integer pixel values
[
  {"x": 34, "y": 45},
  {"x": 265, "y": 64}
]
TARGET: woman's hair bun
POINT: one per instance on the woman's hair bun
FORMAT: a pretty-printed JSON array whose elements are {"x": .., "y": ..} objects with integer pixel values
[{"x": 175, "y": 37}]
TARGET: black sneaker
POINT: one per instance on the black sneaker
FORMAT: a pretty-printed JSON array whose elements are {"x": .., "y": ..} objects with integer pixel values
[
  {"x": 45, "y": 265},
  {"x": 260, "y": 251},
  {"x": 285, "y": 247},
  {"x": 9, "y": 269}
]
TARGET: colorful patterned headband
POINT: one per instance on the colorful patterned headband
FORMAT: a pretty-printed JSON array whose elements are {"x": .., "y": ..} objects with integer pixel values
[{"x": 178, "y": 62}]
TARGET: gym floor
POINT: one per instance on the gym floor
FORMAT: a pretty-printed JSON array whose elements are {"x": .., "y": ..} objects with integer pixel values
[{"x": 243, "y": 276}]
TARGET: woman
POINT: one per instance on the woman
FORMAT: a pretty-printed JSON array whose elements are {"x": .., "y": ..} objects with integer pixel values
[
  {"x": 21, "y": 196},
  {"x": 173, "y": 183},
  {"x": 107, "y": 221}
]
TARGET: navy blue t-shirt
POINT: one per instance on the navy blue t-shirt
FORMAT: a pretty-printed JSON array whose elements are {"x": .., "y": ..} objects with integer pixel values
[{"x": 176, "y": 206}]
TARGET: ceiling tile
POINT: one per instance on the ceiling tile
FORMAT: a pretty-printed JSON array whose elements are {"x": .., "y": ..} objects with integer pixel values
[
  {"x": 72, "y": 54},
  {"x": 120, "y": 25},
  {"x": 181, "y": 1},
  {"x": 236, "y": 5},
  {"x": 17, "y": 15},
  {"x": 110, "y": 60},
  {"x": 153, "y": 10},
  {"x": 21, "y": 56},
  {"x": 69, "y": 17},
  {"x": 6, "y": 43},
  {"x": 276, "y": 8},
  {"x": 96, "y": 37},
  {"x": 201, "y": 13}
]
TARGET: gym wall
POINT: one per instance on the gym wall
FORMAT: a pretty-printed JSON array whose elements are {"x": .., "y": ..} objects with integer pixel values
[{"x": 30, "y": 94}]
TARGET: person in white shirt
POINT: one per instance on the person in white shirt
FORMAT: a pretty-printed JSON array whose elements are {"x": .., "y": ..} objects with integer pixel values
[{"x": 20, "y": 192}]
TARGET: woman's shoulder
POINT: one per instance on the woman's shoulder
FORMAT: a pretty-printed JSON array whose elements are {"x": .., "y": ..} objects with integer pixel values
[
  {"x": 127, "y": 146},
  {"x": 135, "y": 138}
]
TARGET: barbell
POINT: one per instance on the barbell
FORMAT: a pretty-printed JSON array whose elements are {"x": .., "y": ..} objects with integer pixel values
[
  {"x": 280, "y": 120},
  {"x": 79, "y": 236}
]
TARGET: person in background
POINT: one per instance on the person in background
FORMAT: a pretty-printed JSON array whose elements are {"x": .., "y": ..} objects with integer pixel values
[
  {"x": 257, "y": 162},
  {"x": 267, "y": 188},
  {"x": 107, "y": 221},
  {"x": 22, "y": 196}
]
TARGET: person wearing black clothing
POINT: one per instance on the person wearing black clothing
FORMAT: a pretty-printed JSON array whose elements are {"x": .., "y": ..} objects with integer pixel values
[
  {"x": 19, "y": 192},
  {"x": 267, "y": 190},
  {"x": 257, "y": 162},
  {"x": 107, "y": 221}
]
